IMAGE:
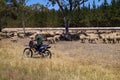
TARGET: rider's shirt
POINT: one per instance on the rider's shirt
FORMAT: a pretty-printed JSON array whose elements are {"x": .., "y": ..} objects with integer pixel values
[{"x": 38, "y": 38}]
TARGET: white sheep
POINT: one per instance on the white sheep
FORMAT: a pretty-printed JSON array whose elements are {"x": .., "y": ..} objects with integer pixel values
[
  {"x": 92, "y": 38},
  {"x": 57, "y": 37},
  {"x": 51, "y": 39},
  {"x": 14, "y": 39},
  {"x": 83, "y": 38}
]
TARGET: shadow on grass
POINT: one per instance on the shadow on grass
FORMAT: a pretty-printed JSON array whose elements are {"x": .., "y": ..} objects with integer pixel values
[{"x": 37, "y": 56}]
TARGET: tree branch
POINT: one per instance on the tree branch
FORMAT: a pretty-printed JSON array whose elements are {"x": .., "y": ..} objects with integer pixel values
[
  {"x": 61, "y": 8},
  {"x": 70, "y": 2},
  {"x": 83, "y": 1},
  {"x": 74, "y": 8}
]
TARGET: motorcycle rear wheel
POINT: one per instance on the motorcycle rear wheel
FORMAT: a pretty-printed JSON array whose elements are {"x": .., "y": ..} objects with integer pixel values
[
  {"x": 47, "y": 53},
  {"x": 28, "y": 52}
]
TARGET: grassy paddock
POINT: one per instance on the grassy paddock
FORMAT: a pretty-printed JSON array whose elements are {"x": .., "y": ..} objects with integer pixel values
[{"x": 13, "y": 66}]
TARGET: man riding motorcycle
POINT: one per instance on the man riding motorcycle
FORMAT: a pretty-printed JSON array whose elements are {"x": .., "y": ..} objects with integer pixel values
[
  {"x": 38, "y": 47},
  {"x": 38, "y": 39}
]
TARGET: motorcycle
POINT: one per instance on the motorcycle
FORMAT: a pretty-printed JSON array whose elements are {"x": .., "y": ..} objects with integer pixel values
[{"x": 43, "y": 51}]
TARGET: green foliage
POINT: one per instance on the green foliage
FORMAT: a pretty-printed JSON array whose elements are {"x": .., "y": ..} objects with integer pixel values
[{"x": 37, "y": 15}]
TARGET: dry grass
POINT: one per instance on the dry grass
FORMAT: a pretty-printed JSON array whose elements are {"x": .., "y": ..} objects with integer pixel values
[{"x": 80, "y": 63}]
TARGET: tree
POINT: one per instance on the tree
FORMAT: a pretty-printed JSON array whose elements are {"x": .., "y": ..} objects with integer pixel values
[
  {"x": 6, "y": 10},
  {"x": 115, "y": 11},
  {"x": 71, "y": 6},
  {"x": 38, "y": 15},
  {"x": 21, "y": 7},
  {"x": 2, "y": 8}
]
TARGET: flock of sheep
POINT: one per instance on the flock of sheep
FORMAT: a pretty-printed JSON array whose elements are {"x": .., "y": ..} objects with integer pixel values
[
  {"x": 84, "y": 36},
  {"x": 101, "y": 37}
]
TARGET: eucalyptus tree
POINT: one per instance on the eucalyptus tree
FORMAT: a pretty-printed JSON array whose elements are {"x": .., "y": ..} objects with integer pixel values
[
  {"x": 71, "y": 6},
  {"x": 21, "y": 6}
]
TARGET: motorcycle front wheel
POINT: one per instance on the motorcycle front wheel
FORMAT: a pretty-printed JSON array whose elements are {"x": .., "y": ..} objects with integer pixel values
[
  {"x": 47, "y": 53},
  {"x": 28, "y": 52}
]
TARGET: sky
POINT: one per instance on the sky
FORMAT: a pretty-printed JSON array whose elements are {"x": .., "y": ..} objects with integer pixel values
[{"x": 44, "y": 2}]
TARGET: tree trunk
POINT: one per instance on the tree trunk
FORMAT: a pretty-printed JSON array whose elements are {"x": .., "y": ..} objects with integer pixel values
[
  {"x": 67, "y": 29},
  {"x": 64, "y": 17},
  {"x": 66, "y": 22},
  {"x": 67, "y": 35},
  {"x": 0, "y": 26},
  {"x": 23, "y": 22}
]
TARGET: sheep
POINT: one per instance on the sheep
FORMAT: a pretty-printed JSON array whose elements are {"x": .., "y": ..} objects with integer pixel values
[
  {"x": 51, "y": 40},
  {"x": 104, "y": 38},
  {"x": 117, "y": 39},
  {"x": 83, "y": 38},
  {"x": 14, "y": 39},
  {"x": 57, "y": 37},
  {"x": 108, "y": 37},
  {"x": 32, "y": 36},
  {"x": 92, "y": 37},
  {"x": 111, "y": 37},
  {"x": 21, "y": 35}
]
